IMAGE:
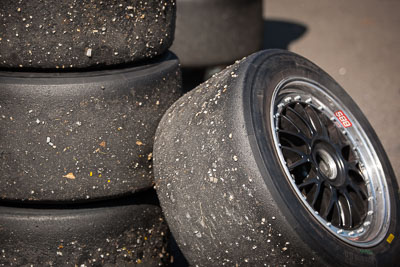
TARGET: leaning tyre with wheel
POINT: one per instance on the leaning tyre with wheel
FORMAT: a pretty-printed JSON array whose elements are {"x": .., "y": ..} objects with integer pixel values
[{"x": 271, "y": 162}]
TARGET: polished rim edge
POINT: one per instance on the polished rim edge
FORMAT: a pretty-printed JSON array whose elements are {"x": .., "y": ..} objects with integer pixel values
[{"x": 330, "y": 162}]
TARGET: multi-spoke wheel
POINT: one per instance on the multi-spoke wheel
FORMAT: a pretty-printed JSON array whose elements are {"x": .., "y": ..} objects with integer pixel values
[
  {"x": 330, "y": 162},
  {"x": 270, "y": 162}
]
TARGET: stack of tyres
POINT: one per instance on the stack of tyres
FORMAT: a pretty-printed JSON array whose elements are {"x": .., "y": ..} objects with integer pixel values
[{"x": 83, "y": 85}]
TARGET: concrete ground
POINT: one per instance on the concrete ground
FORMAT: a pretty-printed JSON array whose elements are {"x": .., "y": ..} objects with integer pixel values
[{"x": 358, "y": 43}]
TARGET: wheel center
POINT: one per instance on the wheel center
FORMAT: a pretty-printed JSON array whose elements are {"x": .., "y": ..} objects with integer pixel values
[
  {"x": 326, "y": 164},
  {"x": 329, "y": 163}
]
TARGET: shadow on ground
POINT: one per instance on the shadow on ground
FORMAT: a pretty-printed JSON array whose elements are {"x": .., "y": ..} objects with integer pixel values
[{"x": 279, "y": 34}]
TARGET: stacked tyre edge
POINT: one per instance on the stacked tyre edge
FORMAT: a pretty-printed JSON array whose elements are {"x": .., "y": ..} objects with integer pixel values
[{"x": 82, "y": 88}]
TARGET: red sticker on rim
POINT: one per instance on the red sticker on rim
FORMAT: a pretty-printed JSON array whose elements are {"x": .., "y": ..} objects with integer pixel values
[{"x": 343, "y": 119}]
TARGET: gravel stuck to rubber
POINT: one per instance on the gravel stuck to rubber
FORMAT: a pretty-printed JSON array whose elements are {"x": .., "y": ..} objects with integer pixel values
[
  {"x": 78, "y": 34},
  {"x": 214, "y": 32},
  {"x": 223, "y": 190},
  {"x": 92, "y": 236},
  {"x": 80, "y": 136}
]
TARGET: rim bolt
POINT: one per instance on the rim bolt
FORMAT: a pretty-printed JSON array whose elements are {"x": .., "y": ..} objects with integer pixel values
[
  {"x": 281, "y": 105},
  {"x": 340, "y": 231},
  {"x": 333, "y": 119},
  {"x": 287, "y": 99},
  {"x": 297, "y": 98},
  {"x": 367, "y": 223},
  {"x": 370, "y": 212},
  {"x": 360, "y": 230},
  {"x": 320, "y": 108},
  {"x": 308, "y": 101}
]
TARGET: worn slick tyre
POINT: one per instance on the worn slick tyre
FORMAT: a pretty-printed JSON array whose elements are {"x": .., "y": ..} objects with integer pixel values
[
  {"x": 217, "y": 32},
  {"x": 52, "y": 34},
  {"x": 113, "y": 233},
  {"x": 85, "y": 135},
  {"x": 237, "y": 174}
]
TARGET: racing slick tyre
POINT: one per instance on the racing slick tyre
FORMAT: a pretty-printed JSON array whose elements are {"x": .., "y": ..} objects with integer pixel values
[
  {"x": 217, "y": 32},
  {"x": 112, "y": 233},
  {"x": 51, "y": 34},
  {"x": 270, "y": 162},
  {"x": 78, "y": 136}
]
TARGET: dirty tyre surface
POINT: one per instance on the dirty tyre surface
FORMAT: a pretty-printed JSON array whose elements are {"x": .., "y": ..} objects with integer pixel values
[
  {"x": 94, "y": 235},
  {"x": 214, "y": 32},
  {"x": 79, "y": 34},
  {"x": 82, "y": 136},
  {"x": 225, "y": 191}
]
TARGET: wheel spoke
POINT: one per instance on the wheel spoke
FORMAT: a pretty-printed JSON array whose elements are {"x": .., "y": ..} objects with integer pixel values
[
  {"x": 349, "y": 203},
  {"x": 332, "y": 202},
  {"x": 307, "y": 118},
  {"x": 292, "y": 123},
  {"x": 353, "y": 166},
  {"x": 298, "y": 163},
  {"x": 338, "y": 137},
  {"x": 309, "y": 181},
  {"x": 358, "y": 190},
  {"x": 317, "y": 193},
  {"x": 302, "y": 137},
  {"x": 340, "y": 213},
  {"x": 295, "y": 150},
  {"x": 305, "y": 122},
  {"x": 321, "y": 126}
]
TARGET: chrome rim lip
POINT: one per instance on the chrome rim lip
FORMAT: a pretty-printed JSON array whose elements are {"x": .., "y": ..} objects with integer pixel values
[{"x": 376, "y": 224}]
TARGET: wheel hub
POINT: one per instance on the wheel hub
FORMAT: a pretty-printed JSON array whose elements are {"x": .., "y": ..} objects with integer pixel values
[
  {"x": 329, "y": 164},
  {"x": 326, "y": 165}
]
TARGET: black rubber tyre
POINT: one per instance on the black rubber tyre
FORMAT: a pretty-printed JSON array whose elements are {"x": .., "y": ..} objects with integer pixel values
[
  {"x": 79, "y": 34},
  {"x": 80, "y": 136},
  {"x": 215, "y": 32},
  {"x": 93, "y": 235},
  {"x": 227, "y": 195}
]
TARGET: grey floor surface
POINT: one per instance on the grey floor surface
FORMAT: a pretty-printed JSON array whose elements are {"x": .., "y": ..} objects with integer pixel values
[{"x": 358, "y": 43}]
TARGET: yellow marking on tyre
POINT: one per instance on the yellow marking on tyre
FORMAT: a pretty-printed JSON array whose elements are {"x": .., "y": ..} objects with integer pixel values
[{"x": 390, "y": 238}]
